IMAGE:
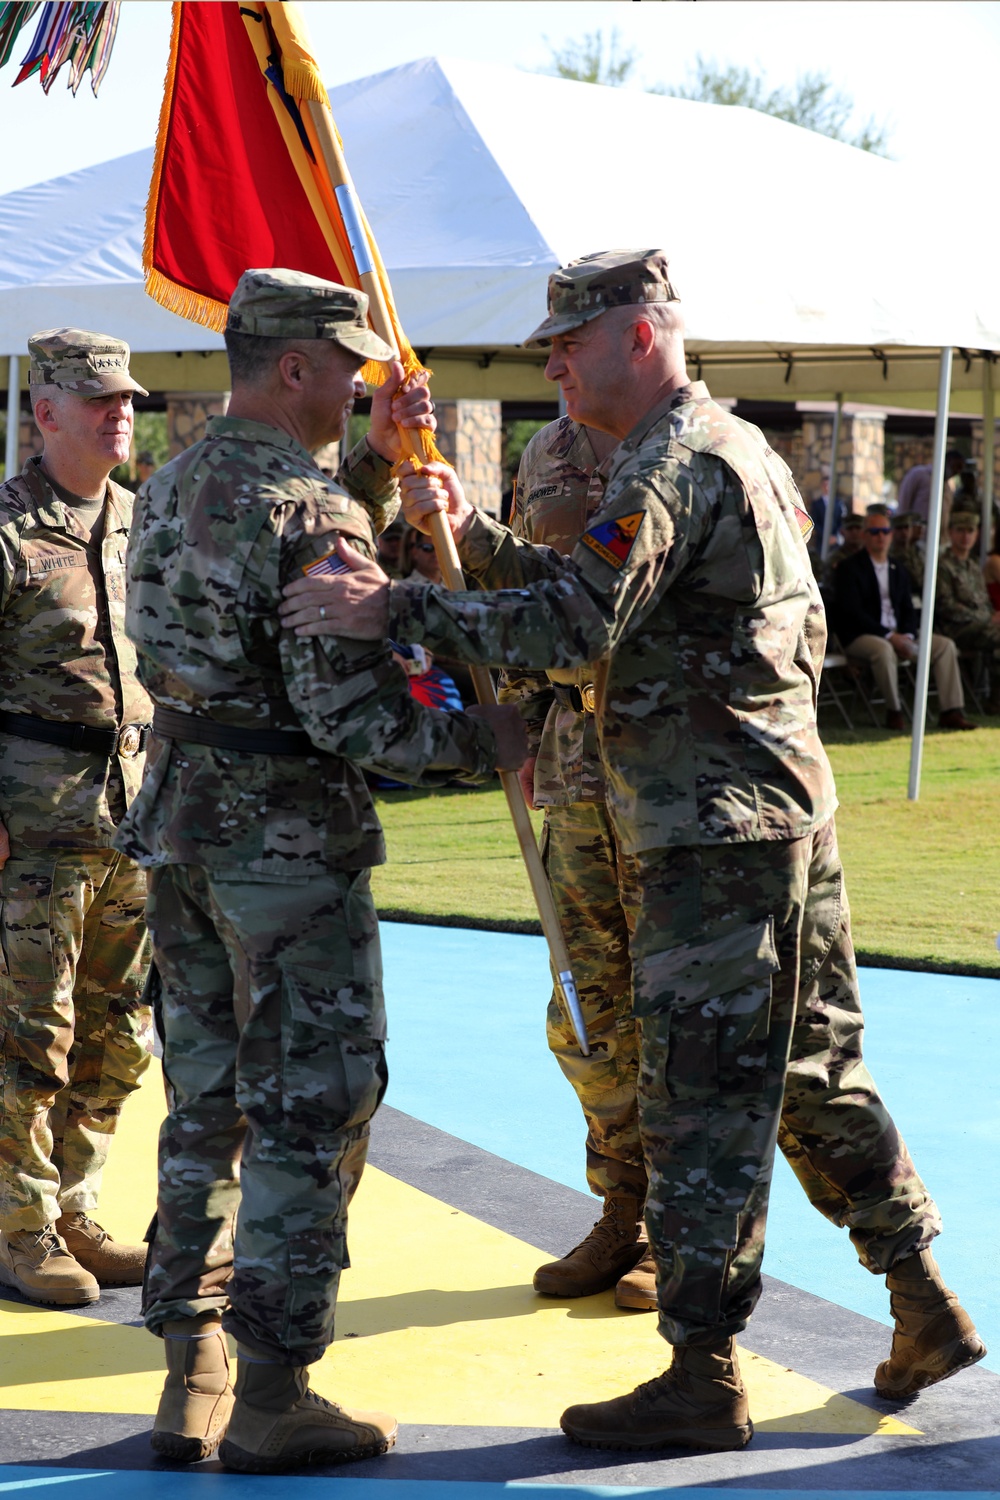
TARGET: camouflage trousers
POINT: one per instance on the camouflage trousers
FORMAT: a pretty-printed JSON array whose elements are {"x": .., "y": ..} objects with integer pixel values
[
  {"x": 74, "y": 1033},
  {"x": 274, "y": 1059},
  {"x": 751, "y": 1037},
  {"x": 593, "y": 885}
]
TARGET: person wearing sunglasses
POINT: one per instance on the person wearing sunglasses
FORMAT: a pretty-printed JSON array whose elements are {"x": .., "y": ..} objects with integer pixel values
[{"x": 875, "y": 618}]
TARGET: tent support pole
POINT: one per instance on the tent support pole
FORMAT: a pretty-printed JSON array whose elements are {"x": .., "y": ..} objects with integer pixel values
[
  {"x": 831, "y": 488},
  {"x": 13, "y": 416},
  {"x": 930, "y": 573},
  {"x": 989, "y": 442}
]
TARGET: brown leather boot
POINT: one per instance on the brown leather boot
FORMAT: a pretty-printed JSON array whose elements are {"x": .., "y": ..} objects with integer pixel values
[
  {"x": 36, "y": 1263},
  {"x": 934, "y": 1336},
  {"x": 279, "y": 1423},
  {"x": 637, "y": 1288},
  {"x": 112, "y": 1263},
  {"x": 698, "y": 1403},
  {"x": 611, "y": 1248},
  {"x": 197, "y": 1397}
]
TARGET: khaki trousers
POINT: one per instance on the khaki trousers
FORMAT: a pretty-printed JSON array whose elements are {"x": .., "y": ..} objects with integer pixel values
[{"x": 882, "y": 658}]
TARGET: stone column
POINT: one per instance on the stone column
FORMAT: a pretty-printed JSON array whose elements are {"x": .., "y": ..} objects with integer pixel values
[
  {"x": 867, "y": 437},
  {"x": 469, "y": 436},
  {"x": 187, "y": 416},
  {"x": 860, "y": 457}
]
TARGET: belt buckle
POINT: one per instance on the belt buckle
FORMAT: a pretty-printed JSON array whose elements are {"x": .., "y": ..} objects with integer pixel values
[
  {"x": 587, "y": 697},
  {"x": 130, "y": 741}
]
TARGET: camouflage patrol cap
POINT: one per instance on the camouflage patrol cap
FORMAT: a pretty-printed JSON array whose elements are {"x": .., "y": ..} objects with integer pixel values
[
  {"x": 900, "y": 519},
  {"x": 585, "y": 288},
  {"x": 279, "y": 304},
  {"x": 964, "y": 520},
  {"x": 74, "y": 359},
  {"x": 850, "y": 522}
]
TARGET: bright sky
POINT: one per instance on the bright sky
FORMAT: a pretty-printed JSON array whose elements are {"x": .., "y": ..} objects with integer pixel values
[{"x": 929, "y": 67}]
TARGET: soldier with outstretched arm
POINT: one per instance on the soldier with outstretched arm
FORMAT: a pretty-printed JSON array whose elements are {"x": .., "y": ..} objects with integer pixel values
[
  {"x": 258, "y": 831},
  {"x": 692, "y": 593}
]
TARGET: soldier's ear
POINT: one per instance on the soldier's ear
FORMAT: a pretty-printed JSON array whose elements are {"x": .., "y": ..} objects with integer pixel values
[
  {"x": 46, "y": 414},
  {"x": 292, "y": 367}
]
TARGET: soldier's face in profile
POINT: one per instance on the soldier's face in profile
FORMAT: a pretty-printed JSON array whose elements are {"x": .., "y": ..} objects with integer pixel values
[
  {"x": 589, "y": 366},
  {"x": 333, "y": 384}
]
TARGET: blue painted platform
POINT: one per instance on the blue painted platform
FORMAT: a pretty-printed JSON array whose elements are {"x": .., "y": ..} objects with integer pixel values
[
  {"x": 478, "y": 1117},
  {"x": 468, "y": 1054}
]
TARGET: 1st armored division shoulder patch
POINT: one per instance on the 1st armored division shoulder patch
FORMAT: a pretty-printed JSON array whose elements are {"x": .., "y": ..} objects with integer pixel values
[{"x": 613, "y": 540}]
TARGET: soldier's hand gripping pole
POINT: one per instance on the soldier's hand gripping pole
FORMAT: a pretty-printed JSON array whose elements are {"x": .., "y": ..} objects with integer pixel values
[{"x": 451, "y": 572}]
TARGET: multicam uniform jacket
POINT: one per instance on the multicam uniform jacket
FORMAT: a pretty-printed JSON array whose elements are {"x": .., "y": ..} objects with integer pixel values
[
  {"x": 65, "y": 656},
  {"x": 218, "y": 532},
  {"x": 559, "y": 488},
  {"x": 961, "y": 599},
  {"x": 692, "y": 591}
]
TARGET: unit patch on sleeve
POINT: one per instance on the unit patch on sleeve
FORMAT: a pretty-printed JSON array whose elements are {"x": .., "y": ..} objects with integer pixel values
[{"x": 613, "y": 540}]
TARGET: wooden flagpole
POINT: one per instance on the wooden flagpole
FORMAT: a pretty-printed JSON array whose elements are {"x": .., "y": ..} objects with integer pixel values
[{"x": 451, "y": 572}]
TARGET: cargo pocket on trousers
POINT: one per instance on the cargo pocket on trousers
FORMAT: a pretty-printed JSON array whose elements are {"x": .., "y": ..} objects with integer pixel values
[
  {"x": 333, "y": 1070},
  {"x": 706, "y": 1009},
  {"x": 316, "y": 1258}
]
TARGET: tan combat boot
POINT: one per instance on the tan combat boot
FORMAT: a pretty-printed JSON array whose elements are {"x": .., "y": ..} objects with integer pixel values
[
  {"x": 637, "y": 1288},
  {"x": 611, "y": 1248},
  {"x": 197, "y": 1397},
  {"x": 112, "y": 1264},
  {"x": 934, "y": 1336},
  {"x": 279, "y": 1423},
  {"x": 698, "y": 1403},
  {"x": 36, "y": 1263}
]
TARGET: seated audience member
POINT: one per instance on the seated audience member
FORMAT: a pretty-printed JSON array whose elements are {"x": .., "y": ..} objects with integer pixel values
[
  {"x": 905, "y": 531},
  {"x": 417, "y": 560},
  {"x": 851, "y": 531},
  {"x": 390, "y": 546},
  {"x": 991, "y": 568},
  {"x": 962, "y": 608},
  {"x": 877, "y": 623}
]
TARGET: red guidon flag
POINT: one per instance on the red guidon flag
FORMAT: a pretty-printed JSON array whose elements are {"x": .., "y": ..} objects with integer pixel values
[{"x": 249, "y": 171}]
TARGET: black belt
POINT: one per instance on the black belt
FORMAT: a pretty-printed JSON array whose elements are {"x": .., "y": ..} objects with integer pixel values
[
  {"x": 127, "y": 741},
  {"x": 196, "y": 729},
  {"x": 570, "y": 695}
]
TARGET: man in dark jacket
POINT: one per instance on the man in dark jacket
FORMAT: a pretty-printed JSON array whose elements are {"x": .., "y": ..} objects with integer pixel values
[{"x": 877, "y": 623}]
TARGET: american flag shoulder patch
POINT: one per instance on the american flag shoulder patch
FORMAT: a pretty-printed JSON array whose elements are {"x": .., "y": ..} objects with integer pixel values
[{"x": 328, "y": 563}]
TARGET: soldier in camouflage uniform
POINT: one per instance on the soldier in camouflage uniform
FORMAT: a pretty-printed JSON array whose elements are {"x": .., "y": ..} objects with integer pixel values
[
  {"x": 692, "y": 592},
  {"x": 258, "y": 830},
  {"x": 560, "y": 487},
  {"x": 852, "y": 528},
  {"x": 904, "y": 550},
  {"x": 74, "y": 1032},
  {"x": 962, "y": 606}
]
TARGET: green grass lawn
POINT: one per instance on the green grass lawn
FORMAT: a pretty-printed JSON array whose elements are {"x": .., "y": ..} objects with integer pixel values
[{"x": 923, "y": 877}]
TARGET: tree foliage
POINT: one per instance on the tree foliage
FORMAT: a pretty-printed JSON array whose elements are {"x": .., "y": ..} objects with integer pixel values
[
  {"x": 593, "y": 59},
  {"x": 812, "y": 101}
]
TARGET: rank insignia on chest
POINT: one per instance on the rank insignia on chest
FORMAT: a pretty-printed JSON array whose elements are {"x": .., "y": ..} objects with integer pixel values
[
  {"x": 328, "y": 563},
  {"x": 613, "y": 540}
]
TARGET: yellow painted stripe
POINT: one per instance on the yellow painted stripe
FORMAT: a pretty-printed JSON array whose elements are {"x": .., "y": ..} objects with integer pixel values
[{"x": 437, "y": 1322}]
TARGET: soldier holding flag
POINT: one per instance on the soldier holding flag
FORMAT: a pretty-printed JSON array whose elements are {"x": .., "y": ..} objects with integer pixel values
[
  {"x": 692, "y": 591},
  {"x": 258, "y": 831}
]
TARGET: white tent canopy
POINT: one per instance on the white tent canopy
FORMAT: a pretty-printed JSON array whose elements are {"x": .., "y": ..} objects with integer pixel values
[{"x": 478, "y": 180}]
